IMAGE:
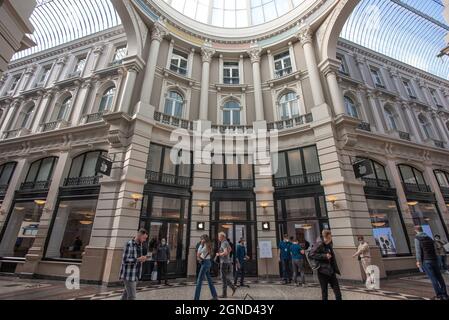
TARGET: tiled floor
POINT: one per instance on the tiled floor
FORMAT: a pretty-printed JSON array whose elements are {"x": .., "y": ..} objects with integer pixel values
[{"x": 415, "y": 287}]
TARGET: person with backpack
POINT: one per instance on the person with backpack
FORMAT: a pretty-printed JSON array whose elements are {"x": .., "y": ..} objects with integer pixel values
[
  {"x": 427, "y": 261},
  {"x": 323, "y": 260},
  {"x": 285, "y": 258},
  {"x": 441, "y": 253},
  {"x": 298, "y": 263},
  {"x": 204, "y": 253}
]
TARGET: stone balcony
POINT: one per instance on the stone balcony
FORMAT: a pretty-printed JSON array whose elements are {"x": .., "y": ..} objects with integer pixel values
[
  {"x": 290, "y": 123},
  {"x": 54, "y": 125},
  {"x": 16, "y": 133}
]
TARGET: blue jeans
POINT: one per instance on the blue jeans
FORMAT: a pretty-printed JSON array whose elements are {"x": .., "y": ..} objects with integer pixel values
[
  {"x": 432, "y": 269},
  {"x": 286, "y": 269},
  {"x": 442, "y": 262},
  {"x": 205, "y": 272}
]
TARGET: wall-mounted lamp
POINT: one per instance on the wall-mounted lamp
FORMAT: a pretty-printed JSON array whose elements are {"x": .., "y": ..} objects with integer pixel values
[
  {"x": 200, "y": 226},
  {"x": 202, "y": 206},
  {"x": 264, "y": 206},
  {"x": 136, "y": 197},
  {"x": 412, "y": 203},
  {"x": 40, "y": 202},
  {"x": 266, "y": 226},
  {"x": 333, "y": 200}
]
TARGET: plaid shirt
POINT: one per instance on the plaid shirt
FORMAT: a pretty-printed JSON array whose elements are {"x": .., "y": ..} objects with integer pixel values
[{"x": 131, "y": 268}]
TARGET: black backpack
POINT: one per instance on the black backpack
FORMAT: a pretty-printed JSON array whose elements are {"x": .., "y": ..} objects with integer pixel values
[{"x": 428, "y": 248}]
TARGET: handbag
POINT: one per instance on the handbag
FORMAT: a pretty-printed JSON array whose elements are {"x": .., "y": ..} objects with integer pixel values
[
  {"x": 154, "y": 276},
  {"x": 446, "y": 247}
]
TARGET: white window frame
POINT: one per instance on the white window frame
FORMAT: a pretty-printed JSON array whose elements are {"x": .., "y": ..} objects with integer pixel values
[
  {"x": 409, "y": 88},
  {"x": 376, "y": 75},
  {"x": 173, "y": 104},
  {"x": 117, "y": 49},
  {"x": 178, "y": 56},
  {"x": 290, "y": 106},
  {"x": 283, "y": 72},
  {"x": 231, "y": 111},
  {"x": 354, "y": 105},
  {"x": 391, "y": 118},
  {"x": 231, "y": 68}
]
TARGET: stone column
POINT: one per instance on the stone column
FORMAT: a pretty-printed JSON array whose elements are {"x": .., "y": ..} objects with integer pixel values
[
  {"x": 330, "y": 69},
  {"x": 442, "y": 126},
  {"x": 133, "y": 66},
  {"x": 360, "y": 61},
  {"x": 201, "y": 191},
  {"x": 265, "y": 202},
  {"x": 81, "y": 103},
  {"x": 398, "y": 83},
  {"x": 411, "y": 121},
  {"x": 44, "y": 107},
  {"x": 19, "y": 175},
  {"x": 97, "y": 52},
  {"x": 435, "y": 187},
  {"x": 207, "y": 53},
  {"x": 117, "y": 216},
  {"x": 378, "y": 116},
  {"x": 60, "y": 64},
  {"x": 36, "y": 252},
  {"x": 305, "y": 36},
  {"x": 402, "y": 197},
  {"x": 254, "y": 54},
  {"x": 424, "y": 94},
  {"x": 157, "y": 35}
]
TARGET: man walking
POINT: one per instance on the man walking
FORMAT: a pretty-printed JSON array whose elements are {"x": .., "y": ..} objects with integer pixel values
[
  {"x": 285, "y": 257},
  {"x": 323, "y": 253},
  {"x": 297, "y": 253},
  {"x": 241, "y": 257},
  {"x": 427, "y": 261},
  {"x": 363, "y": 254},
  {"x": 224, "y": 254},
  {"x": 132, "y": 261}
]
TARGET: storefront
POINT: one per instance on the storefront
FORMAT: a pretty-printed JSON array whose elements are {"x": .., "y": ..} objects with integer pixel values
[
  {"x": 72, "y": 222},
  {"x": 166, "y": 208},
  {"x": 386, "y": 219}
]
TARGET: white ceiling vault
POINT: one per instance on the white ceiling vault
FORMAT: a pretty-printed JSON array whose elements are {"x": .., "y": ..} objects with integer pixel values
[{"x": 411, "y": 31}]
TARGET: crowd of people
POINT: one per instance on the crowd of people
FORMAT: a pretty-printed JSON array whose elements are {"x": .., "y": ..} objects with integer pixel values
[{"x": 294, "y": 256}]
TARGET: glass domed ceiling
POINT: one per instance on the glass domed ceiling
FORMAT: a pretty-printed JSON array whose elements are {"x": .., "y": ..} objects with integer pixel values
[{"x": 234, "y": 13}]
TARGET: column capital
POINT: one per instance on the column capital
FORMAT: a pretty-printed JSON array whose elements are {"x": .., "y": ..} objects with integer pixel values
[
  {"x": 31, "y": 69},
  {"x": 99, "y": 48},
  {"x": 329, "y": 67},
  {"x": 254, "y": 53},
  {"x": 158, "y": 32},
  {"x": 359, "y": 59},
  {"x": 305, "y": 35},
  {"x": 207, "y": 52},
  {"x": 62, "y": 59},
  {"x": 393, "y": 72},
  {"x": 133, "y": 64}
]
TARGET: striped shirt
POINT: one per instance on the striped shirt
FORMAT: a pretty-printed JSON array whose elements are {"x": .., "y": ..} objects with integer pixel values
[{"x": 131, "y": 268}]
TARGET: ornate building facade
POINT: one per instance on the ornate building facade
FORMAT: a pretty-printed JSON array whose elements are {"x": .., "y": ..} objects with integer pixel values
[{"x": 122, "y": 93}]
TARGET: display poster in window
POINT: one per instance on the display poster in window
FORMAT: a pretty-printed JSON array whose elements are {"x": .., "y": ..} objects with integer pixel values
[{"x": 266, "y": 250}]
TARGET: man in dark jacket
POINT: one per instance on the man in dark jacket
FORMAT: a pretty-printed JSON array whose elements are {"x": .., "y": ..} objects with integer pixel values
[
  {"x": 162, "y": 260},
  {"x": 427, "y": 261},
  {"x": 323, "y": 253}
]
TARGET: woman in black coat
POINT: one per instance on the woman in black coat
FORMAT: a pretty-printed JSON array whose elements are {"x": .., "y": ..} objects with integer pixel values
[{"x": 323, "y": 253}]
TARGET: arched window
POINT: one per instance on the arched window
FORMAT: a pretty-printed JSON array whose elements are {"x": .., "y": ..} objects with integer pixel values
[
  {"x": 25, "y": 117},
  {"x": 379, "y": 176},
  {"x": 351, "y": 108},
  {"x": 40, "y": 174},
  {"x": 413, "y": 179},
  {"x": 391, "y": 118},
  {"x": 231, "y": 113},
  {"x": 288, "y": 106},
  {"x": 6, "y": 172},
  {"x": 107, "y": 99},
  {"x": 62, "y": 110},
  {"x": 174, "y": 104},
  {"x": 84, "y": 169},
  {"x": 443, "y": 179},
  {"x": 426, "y": 126}
]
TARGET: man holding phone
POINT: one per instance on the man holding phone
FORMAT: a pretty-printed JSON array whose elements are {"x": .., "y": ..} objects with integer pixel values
[{"x": 132, "y": 262}]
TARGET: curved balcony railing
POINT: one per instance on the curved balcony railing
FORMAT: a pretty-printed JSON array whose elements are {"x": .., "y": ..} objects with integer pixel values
[
  {"x": 284, "y": 72},
  {"x": 168, "y": 179},
  {"x": 412, "y": 187},
  {"x": 235, "y": 184},
  {"x": 299, "y": 180},
  {"x": 82, "y": 181},
  {"x": 223, "y": 129},
  {"x": 290, "y": 123},
  {"x": 35, "y": 185},
  {"x": 173, "y": 121},
  {"x": 377, "y": 183},
  {"x": 94, "y": 117},
  {"x": 365, "y": 126}
]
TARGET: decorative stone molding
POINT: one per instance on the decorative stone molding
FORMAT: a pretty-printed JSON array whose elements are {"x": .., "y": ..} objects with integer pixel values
[
  {"x": 159, "y": 32},
  {"x": 254, "y": 53},
  {"x": 98, "y": 50},
  {"x": 207, "y": 52},
  {"x": 305, "y": 35}
]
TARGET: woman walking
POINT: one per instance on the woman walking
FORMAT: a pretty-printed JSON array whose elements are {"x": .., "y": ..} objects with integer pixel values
[{"x": 204, "y": 257}]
